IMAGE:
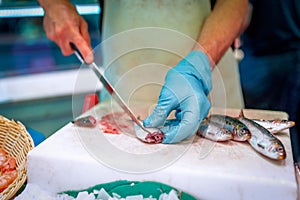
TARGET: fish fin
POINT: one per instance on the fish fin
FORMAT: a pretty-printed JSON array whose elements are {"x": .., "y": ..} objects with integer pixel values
[
  {"x": 241, "y": 115},
  {"x": 209, "y": 113},
  {"x": 206, "y": 119}
]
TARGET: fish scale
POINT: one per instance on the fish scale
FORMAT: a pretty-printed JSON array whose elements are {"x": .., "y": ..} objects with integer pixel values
[
  {"x": 239, "y": 130},
  {"x": 263, "y": 141},
  {"x": 276, "y": 125},
  {"x": 212, "y": 131}
]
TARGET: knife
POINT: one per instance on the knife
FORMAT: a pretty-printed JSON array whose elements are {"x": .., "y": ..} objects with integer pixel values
[{"x": 112, "y": 91}]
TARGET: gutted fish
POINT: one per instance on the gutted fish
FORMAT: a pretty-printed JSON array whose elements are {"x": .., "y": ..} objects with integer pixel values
[
  {"x": 263, "y": 141},
  {"x": 276, "y": 125},
  {"x": 154, "y": 137},
  {"x": 213, "y": 131},
  {"x": 238, "y": 129}
]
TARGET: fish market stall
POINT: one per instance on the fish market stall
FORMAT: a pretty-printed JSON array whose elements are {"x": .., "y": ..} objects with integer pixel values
[{"x": 75, "y": 158}]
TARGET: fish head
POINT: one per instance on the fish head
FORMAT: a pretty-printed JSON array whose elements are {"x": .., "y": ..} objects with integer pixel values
[
  {"x": 242, "y": 133},
  {"x": 276, "y": 150},
  {"x": 225, "y": 134}
]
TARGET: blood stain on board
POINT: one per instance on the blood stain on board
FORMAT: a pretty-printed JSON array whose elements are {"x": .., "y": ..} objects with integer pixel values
[
  {"x": 119, "y": 122},
  {"x": 116, "y": 123}
]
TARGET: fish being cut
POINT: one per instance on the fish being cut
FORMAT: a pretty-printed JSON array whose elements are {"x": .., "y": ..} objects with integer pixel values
[
  {"x": 275, "y": 125},
  {"x": 238, "y": 129},
  {"x": 263, "y": 141},
  {"x": 213, "y": 131},
  {"x": 155, "y": 136}
]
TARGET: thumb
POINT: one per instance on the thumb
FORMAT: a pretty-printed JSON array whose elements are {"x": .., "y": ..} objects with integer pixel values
[{"x": 165, "y": 105}]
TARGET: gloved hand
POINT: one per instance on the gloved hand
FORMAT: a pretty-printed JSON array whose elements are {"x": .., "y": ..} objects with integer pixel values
[{"x": 185, "y": 90}]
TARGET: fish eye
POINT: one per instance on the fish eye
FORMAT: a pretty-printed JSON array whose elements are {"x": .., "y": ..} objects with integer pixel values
[
  {"x": 279, "y": 149},
  {"x": 244, "y": 131}
]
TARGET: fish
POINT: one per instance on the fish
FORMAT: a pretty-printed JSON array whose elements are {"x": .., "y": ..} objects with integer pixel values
[
  {"x": 275, "y": 125},
  {"x": 155, "y": 136},
  {"x": 212, "y": 131},
  {"x": 238, "y": 129},
  {"x": 87, "y": 121},
  {"x": 263, "y": 141}
]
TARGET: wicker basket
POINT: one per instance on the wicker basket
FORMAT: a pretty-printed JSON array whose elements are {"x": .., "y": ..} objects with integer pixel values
[{"x": 16, "y": 142}]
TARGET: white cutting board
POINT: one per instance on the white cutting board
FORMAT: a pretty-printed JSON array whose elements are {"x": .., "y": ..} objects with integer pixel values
[{"x": 76, "y": 158}]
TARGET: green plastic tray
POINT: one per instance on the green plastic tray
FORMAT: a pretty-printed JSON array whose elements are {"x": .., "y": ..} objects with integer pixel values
[{"x": 128, "y": 188}]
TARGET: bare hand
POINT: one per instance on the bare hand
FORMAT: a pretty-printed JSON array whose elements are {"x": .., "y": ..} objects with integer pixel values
[{"x": 63, "y": 25}]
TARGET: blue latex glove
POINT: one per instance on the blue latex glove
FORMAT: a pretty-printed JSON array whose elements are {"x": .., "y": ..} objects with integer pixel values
[{"x": 185, "y": 90}]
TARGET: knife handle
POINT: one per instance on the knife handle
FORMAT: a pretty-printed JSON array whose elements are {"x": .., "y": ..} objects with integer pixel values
[{"x": 77, "y": 53}]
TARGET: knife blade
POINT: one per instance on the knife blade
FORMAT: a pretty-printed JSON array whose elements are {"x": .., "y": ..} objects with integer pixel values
[{"x": 112, "y": 91}]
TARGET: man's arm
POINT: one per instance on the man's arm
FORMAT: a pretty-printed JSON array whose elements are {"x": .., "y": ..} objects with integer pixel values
[
  {"x": 63, "y": 25},
  {"x": 222, "y": 26}
]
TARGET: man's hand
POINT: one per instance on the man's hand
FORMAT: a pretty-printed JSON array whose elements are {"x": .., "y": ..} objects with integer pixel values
[
  {"x": 64, "y": 25},
  {"x": 185, "y": 90}
]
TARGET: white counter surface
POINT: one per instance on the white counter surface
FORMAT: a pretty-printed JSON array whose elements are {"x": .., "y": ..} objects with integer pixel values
[{"x": 76, "y": 158}]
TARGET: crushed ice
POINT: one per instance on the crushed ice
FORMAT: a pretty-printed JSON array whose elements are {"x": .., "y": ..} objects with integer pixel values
[{"x": 33, "y": 192}]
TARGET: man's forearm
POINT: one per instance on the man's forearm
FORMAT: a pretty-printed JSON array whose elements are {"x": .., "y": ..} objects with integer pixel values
[{"x": 222, "y": 26}]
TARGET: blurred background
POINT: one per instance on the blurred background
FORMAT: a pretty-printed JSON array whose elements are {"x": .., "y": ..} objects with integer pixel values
[{"x": 36, "y": 80}]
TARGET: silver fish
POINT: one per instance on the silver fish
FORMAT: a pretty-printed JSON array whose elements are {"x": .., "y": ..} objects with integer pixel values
[
  {"x": 213, "y": 131},
  {"x": 275, "y": 125},
  {"x": 88, "y": 121},
  {"x": 239, "y": 130},
  {"x": 263, "y": 141}
]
